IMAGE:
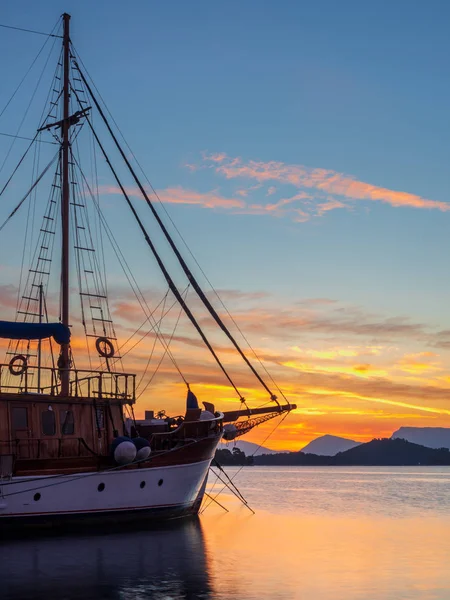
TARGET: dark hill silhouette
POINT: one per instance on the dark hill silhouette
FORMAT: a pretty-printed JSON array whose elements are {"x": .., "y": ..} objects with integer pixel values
[
  {"x": 235, "y": 458},
  {"x": 382, "y": 452},
  {"x": 292, "y": 459},
  {"x": 392, "y": 452},
  {"x": 249, "y": 448}
]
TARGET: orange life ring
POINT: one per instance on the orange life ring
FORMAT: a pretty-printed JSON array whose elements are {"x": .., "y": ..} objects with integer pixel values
[
  {"x": 20, "y": 370},
  {"x": 104, "y": 347}
]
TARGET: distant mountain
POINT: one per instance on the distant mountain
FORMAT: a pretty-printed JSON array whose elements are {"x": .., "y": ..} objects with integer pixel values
[
  {"x": 329, "y": 445},
  {"x": 385, "y": 452},
  {"x": 247, "y": 447},
  {"x": 432, "y": 437}
]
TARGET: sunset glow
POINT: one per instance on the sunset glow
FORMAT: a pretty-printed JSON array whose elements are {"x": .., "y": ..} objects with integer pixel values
[{"x": 309, "y": 194}]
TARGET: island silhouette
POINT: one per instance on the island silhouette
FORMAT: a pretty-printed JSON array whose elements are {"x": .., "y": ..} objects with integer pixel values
[{"x": 394, "y": 451}]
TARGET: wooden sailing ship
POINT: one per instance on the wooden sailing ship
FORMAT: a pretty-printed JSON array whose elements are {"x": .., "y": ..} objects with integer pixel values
[{"x": 70, "y": 447}]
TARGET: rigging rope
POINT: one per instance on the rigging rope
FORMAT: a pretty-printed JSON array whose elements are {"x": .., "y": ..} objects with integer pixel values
[
  {"x": 32, "y": 203},
  {"x": 21, "y": 137},
  {"x": 29, "y": 105},
  {"x": 43, "y": 249},
  {"x": 18, "y": 164},
  {"x": 30, "y": 190},
  {"x": 78, "y": 57},
  {"x": 149, "y": 360},
  {"x": 233, "y": 489},
  {"x": 219, "y": 466},
  {"x": 30, "y": 31},
  {"x": 27, "y": 72},
  {"x": 89, "y": 268},
  {"x": 146, "y": 320},
  {"x": 172, "y": 244},
  {"x": 253, "y": 454},
  {"x": 47, "y": 237},
  {"x": 161, "y": 265},
  {"x": 128, "y": 274},
  {"x": 164, "y": 354}
]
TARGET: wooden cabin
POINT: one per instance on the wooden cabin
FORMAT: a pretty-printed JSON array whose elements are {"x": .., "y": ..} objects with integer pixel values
[
  {"x": 44, "y": 433},
  {"x": 39, "y": 426}
]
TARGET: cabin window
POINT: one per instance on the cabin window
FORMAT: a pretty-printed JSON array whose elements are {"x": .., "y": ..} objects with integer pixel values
[
  {"x": 48, "y": 422},
  {"x": 67, "y": 422},
  {"x": 19, "y": 416}
]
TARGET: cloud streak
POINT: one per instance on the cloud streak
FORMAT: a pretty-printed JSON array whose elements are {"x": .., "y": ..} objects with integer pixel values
[
  {"x": 317, "y": 191},
  {"x": 340, "y": 376},
  {"x": 320, "y": 180},
  {"x": 179, "y": 195}
]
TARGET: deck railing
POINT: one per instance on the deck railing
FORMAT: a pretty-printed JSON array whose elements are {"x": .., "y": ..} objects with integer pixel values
[
  {"x": 83, "y": 383},
  {"x": 187, "y": 432}
]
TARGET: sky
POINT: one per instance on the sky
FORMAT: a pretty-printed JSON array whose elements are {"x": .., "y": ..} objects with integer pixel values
[{"x": 301, "y": 149}]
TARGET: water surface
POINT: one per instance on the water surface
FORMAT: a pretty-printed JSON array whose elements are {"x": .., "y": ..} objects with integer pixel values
[{"x": 318, "y": 533}]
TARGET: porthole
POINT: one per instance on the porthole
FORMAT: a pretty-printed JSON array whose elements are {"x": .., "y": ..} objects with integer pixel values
[
  {"x": 160, "y": 482},
  {"x": 37, "y": 497},
  {"x": 101, "y": 487},
  {"x": 142, "y": 485}
]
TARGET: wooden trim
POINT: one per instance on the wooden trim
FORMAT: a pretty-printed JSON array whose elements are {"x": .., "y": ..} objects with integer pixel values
[
  {"x": 191, "y": 453},
  {"x": 48, "y": 399}
]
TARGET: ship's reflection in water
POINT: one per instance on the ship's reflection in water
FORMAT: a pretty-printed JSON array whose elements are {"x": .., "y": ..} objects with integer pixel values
[
  {"x": 267, "y": 556},
  {"x": 168, "y": 562},
  {"x": 325, "y": 534}
]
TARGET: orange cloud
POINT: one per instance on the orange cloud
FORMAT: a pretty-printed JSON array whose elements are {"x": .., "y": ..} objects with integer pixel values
[
  {"x": 8, "y": 298},
  {"x": 179, "y": 195},
  {"x": 419, "y": 362},
  {"x": 323, "y": 180},
  {"x": 351, "y": 375},
  {"x": 319, "y": 191}
]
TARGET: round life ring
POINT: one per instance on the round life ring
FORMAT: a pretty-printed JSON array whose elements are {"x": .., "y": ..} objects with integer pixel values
[
  {"x": 104, "y": 347},
  {"x": 20, "y": 369}
]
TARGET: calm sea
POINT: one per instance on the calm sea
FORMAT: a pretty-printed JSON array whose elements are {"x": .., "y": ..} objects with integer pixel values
[{"x": 318, "y": 533}]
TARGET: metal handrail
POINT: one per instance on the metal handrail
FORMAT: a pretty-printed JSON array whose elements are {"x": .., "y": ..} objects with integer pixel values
[
  {"x": 179, "y": 433},
  {"x": 99, "y": 383}
]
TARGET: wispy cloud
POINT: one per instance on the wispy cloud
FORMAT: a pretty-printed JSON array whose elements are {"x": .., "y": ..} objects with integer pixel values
[
  {"x": 341, "y": 321},
  {"x": 300, "y": 194},
  {"x": 343, "y": 366},
  {"x": 419, "y": 362},
  {"x": 325, "y": 181},
  {"x": 317, "y": 191},
  {"x": 8, "y": 296},
  {"x": 180, "y": 195}
]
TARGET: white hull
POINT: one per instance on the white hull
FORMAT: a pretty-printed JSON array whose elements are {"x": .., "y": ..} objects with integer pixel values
[{"x": 171, "y": 489}]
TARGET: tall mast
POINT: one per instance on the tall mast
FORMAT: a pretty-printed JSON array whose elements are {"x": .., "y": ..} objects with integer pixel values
[
  {"x": 65, "y": 209},
  {"x": 39, "y": 348}
]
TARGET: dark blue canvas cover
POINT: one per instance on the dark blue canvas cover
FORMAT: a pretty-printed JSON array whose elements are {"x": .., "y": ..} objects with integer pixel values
[{"x": 34, "y": 331}]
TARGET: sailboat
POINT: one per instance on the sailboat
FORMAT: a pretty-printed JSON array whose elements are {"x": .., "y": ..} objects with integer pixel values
[{"x": 70, "y": 446}]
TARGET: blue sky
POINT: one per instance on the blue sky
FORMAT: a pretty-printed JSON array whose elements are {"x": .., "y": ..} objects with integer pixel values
[{"x": 359, "y": 89}]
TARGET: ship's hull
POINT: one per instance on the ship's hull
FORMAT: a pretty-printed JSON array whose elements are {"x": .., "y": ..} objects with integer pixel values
[{"x": 98, "y": 498}]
